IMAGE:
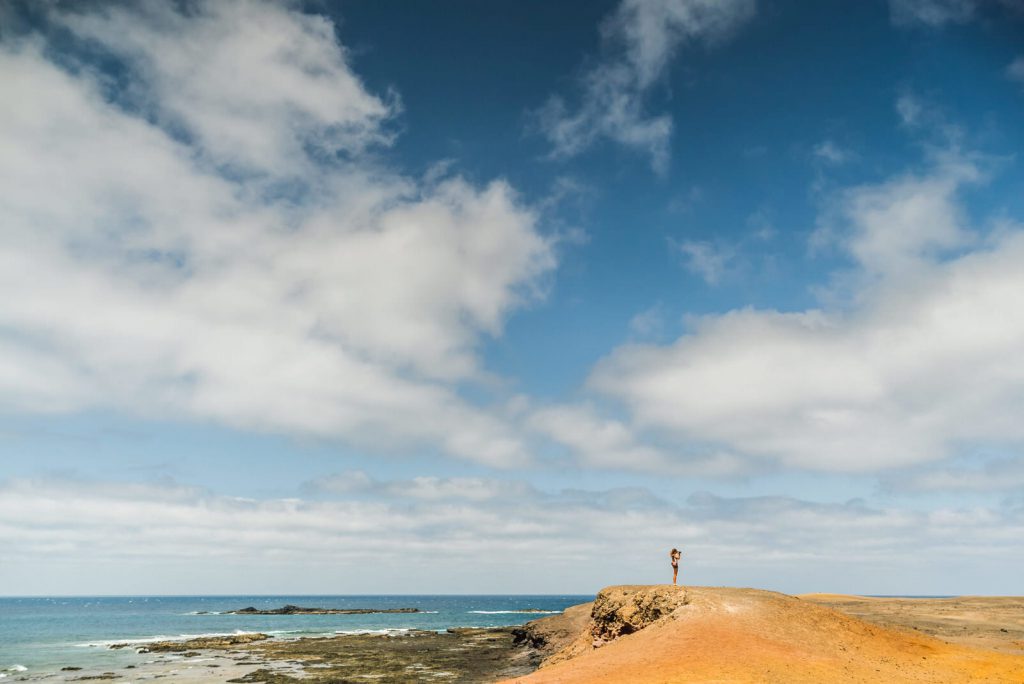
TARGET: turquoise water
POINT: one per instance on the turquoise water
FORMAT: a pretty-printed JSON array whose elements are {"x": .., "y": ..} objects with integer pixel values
[{"x": 41, "y": 635}]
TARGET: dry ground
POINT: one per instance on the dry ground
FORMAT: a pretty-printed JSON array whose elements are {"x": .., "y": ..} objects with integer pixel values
[{"x": 746, "y": 635}]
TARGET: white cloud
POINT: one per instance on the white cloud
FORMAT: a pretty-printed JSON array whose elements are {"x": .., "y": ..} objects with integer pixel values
[
  {"x": 88, "y": 537},
  {"x": 904, "y": 223},
  {"x": 926, "y": 357},
  {"x": 641, "y": 37},
  {"x": 596, "y": 441},
  {"x": 1003, "y": 474},
  {"x": 253, "y": 84},
  {"x": 709, "y": 261},
  {"x": 423, "y": 488},
  {"x": 932, "y": 13},
  {"x": 142, "y": 274}
]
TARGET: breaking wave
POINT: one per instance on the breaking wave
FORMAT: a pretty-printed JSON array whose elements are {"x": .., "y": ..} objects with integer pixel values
[{"x": 508, "y": 612}]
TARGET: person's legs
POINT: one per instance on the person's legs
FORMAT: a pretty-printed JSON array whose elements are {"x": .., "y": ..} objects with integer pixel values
[{"x": 675, "y": 574}]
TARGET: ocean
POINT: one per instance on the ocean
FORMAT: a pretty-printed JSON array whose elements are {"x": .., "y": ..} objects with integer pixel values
[{"x": 39, "y": 636}]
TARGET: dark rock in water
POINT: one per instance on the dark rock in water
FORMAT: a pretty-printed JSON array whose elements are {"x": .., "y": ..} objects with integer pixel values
[
  {"x": 69, "y": 668},
  {"x": 299, "y": 610}
]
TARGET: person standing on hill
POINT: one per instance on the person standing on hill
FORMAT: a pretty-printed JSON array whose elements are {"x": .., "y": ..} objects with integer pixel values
[{"x": 674, "y": 555}]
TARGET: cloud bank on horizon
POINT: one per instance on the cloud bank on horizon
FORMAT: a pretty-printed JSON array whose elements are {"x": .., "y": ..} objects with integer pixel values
[{"x": 210, "y": 216}]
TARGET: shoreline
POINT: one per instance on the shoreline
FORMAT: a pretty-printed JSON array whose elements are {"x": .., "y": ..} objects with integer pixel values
[
  {"x": 461, "y": 654},
  {"x": 993, "y": 625},
  {"x": 46, "y": 634}
]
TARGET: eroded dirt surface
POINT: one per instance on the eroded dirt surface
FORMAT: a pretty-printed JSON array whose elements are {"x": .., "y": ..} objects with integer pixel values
[
  {"x": 992, "y": 622},
  {"x": 723, "y": 634}
]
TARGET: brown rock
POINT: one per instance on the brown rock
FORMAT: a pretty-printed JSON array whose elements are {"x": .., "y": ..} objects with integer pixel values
[{"x": 190, "y": 645}]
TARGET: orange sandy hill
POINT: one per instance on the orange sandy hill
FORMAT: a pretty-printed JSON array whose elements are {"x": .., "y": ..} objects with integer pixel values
[{"x": 661, "y": 634}]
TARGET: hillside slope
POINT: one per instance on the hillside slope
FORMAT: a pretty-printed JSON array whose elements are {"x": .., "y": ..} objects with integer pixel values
[{"x": 664, "y": 634}]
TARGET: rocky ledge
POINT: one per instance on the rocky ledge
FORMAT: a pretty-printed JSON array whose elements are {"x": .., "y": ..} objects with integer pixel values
[
  {"x": 208, "y": 642},
  {"x": 299, "y": 610},
  {"x": 615, "y": 612},
  {"x": 457, "y": 656}
]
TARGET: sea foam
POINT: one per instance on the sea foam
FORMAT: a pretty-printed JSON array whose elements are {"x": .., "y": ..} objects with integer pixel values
[
  {"x": 509, "y": 612},
  {"x": 107, "y": 643}
]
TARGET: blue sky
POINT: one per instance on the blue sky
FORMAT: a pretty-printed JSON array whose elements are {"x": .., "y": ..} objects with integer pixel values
[{"x": 511, "y": 297}]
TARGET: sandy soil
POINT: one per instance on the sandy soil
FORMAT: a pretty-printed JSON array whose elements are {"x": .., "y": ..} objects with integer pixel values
[
  {"x": 993, "y": 622},
  {"x": 745, "y": 635}
]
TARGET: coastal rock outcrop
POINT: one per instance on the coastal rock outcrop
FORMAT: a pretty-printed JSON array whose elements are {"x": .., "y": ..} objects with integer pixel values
[
  {"x": 620, "y": 611},
  {"x": 550, "y": 635},
  {"x": 299, "y": 610},
  {"x": 207, "y": 642}
]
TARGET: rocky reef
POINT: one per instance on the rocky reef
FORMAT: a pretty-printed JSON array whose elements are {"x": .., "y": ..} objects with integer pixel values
[
  {"x": 207, "y": 642},
  {"x": 299, "y": 610},
  {"x": 459, "y": 655}
]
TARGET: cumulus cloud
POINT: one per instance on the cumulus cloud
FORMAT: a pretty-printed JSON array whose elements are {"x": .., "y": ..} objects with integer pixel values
[
  {"x": 640, "y": 40},
  {"x": 255, "y": 86},
  {"x": 103, "y": 537},
  {"x": 907, "y": 222},
  {"x": 923, "y": 356},
  {"x": 217, "y": 238},
  {"x": 596, "y": 441}
]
